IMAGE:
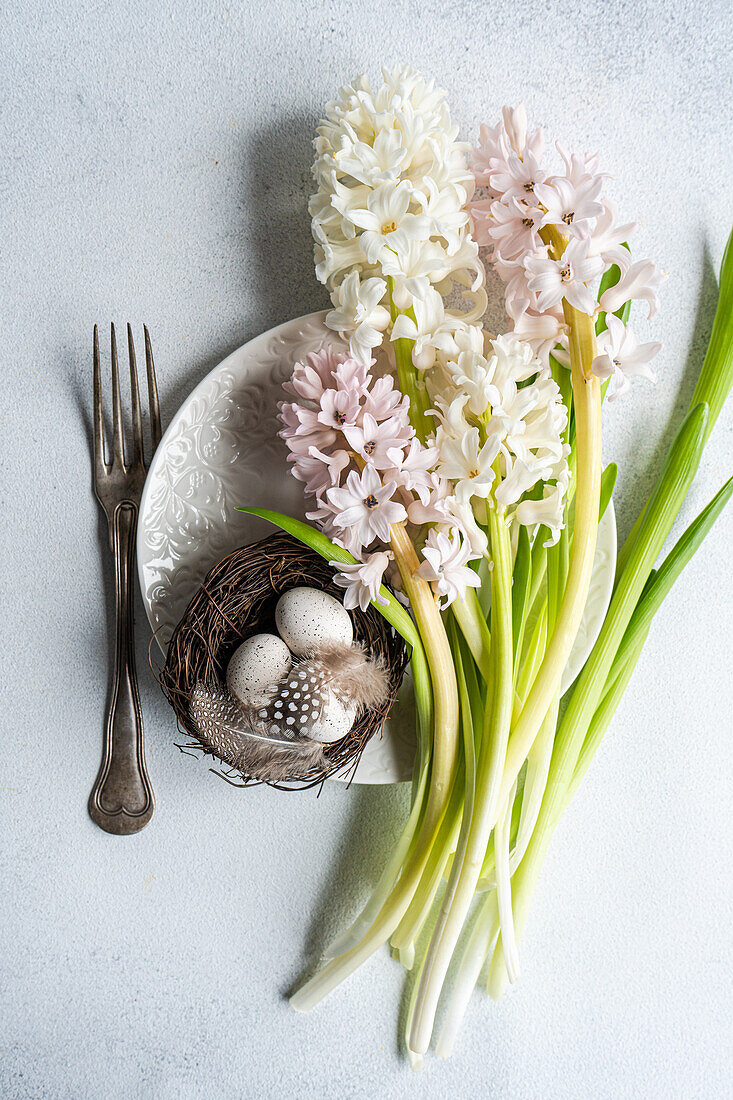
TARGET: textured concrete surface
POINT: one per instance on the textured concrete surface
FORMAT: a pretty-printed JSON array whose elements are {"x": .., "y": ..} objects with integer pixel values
[{"x": 154, "y": 168}]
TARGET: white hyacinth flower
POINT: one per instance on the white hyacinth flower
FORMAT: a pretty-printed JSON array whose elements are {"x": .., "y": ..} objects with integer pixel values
[
  {"x": 386, "y": 221},
  {"x": 504, "y": 411},
  {"x": 622, "y": 356},
  {"x": 362, "y": 579},
  {"x": 392, "y": 190},
  {"x": 467, "y": 462},
  {"x": 431, "y": 329},
  {"x": 358, "y": 317},
  {"x": 445, "y": 564},
  {"x": 640, "y": 281}
]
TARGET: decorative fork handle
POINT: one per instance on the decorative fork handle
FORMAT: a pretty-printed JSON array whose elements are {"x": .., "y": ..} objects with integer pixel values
[{"x": 122, "y": 800}]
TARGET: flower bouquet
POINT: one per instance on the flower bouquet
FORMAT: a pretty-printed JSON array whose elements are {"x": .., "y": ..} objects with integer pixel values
[{"x": 459, "y": 490}]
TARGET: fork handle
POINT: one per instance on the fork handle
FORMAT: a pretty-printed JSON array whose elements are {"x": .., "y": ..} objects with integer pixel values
[{"x": 122, "y": 800}]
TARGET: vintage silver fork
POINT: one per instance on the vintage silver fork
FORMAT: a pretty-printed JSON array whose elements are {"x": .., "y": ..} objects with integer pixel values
[{"x": 122, "y": 798}]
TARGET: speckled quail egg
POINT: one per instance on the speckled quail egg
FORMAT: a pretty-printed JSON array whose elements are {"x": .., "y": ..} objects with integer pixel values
[
  {"x": 334, "y": 722},
  {"x": 308, "y": 619},
  {"x": 256, "y": 666}
]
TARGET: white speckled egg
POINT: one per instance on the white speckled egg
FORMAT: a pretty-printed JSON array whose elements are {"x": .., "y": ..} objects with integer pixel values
[
  {"x": 308, "y": 619},
  {"x": 334, "y": 723},
  {"x": 255, "y": 666}
]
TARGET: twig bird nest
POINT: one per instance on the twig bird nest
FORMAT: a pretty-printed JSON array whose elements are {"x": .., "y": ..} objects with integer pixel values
[{"x": 237, "y": 600}]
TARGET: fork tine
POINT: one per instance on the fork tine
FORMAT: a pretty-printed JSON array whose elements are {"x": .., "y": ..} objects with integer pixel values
[
  {"x": 137, "y": 423},
  {"x": 152, "y": 391},
  {"x": 119, "y": 446},
  {"x": 99, "y": 463}
]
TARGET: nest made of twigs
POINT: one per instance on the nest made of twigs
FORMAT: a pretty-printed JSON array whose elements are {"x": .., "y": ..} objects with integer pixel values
[{"x": 237, "y": 599}]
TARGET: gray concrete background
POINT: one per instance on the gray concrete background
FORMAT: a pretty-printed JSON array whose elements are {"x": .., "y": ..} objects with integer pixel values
[{"x": 154, "y": 167}]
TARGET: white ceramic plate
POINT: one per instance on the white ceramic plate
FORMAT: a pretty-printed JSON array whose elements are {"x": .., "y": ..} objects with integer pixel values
[{"x": 221, "y": 450}]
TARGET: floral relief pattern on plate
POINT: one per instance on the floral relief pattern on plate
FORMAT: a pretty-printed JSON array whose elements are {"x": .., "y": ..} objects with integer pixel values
[{"x": 222, "y": 450}]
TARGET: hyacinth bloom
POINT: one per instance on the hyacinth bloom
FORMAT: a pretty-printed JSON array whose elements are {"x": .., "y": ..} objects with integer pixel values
[
  {"x": 622, "y": 356},
  {"x": 464, "y": 474},
  {"x": 386, "y": 223},
  {"x": 392, "y": 186},
  {"x": 362, "y": 580},
  {"x": 446, "y": 560},
  {"x": 358, "y": 455},
  {"x": 566, "y": 277}
]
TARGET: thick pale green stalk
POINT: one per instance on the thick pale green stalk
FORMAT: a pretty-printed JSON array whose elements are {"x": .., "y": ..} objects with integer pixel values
[
  {"x": 539, "y": 550},
  {"x": 479, "y": 944},
  {"x": 445, "y": 704},
  {"x": 464, "y": 875},
  {"x": 407, "y": 931},
  {"x": 504, "y": 889},
  {"x": 587, "y": 405},
  {"x": 456, "y": 818},
  {"x": 662, "y": 508},
  {"x": 442, "y": 672},
  {"x": 475, "y": 630},
  {"x": 409, "y": 380},
  {"x": 538, "y": 762}
]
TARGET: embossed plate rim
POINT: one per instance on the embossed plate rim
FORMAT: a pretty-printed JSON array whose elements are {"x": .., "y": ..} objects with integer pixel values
[{"x": 379, "y": 764}]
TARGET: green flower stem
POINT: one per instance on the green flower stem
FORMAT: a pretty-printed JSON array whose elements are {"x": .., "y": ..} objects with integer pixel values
[
  {"x": 524, "y": 882},
  {"x": 587, "y": 404},
  {"x": 661, "y": 511},
  {"x": 535, "y": 782},
  {"x": 521, "y": 588},
  {"x": 407, "y": 931},
  {"x": 457, "y": 815},
  {"x": 532, "y": 654},
  {"x": 445, "y": 734},
  {"x": 651, "y": 599},
  {"x": 442, "y": 672},
  {"x": 465, "y": 874},
  {"x": 540, "y": 754},
  {"x": 604, "y": 713},
  {"x": 504, "y": 888},
  {"x": 716, "y": 374},
  {"x": 487, "y": 879},
  {"x": 671, "y": 491},
  {"x": 408, "y": 378},
  {"x": 539, "y": 550},
  {"x": 479, "y": 944},
  {"x": 467, "y": 613}
]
